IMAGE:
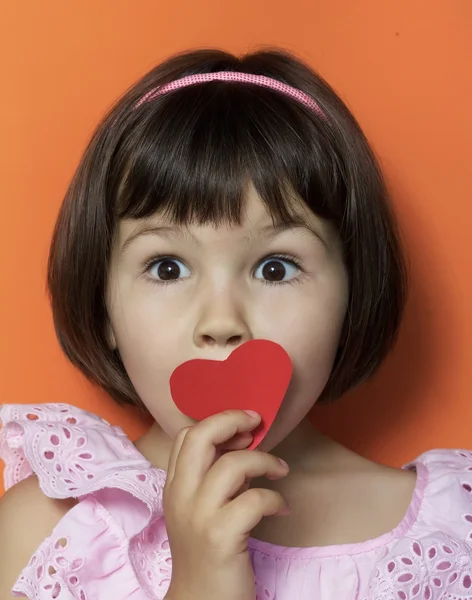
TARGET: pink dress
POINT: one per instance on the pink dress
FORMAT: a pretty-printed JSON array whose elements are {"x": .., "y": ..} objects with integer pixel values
[{"x": 113, "y": 545}]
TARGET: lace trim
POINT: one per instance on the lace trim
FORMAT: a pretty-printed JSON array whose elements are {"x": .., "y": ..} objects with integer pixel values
[{"x": 74, "y": 454}]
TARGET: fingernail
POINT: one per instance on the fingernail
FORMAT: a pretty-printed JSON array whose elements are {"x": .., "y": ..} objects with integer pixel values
[
  {"x": 283, "y": 463},
  {"x": 252, "y": 413},
  {"x": 284, "y": 511}
]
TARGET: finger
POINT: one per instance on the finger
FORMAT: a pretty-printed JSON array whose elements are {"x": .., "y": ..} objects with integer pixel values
[
  {"x": 179, "y": 440},
  {"x": 231, "y": 471},
  {"x": 243, "y": 513},
  {"x": 199, "y": 448},
  {"x": 243, "y": 488},
  {"x": 238, "y": 442}
]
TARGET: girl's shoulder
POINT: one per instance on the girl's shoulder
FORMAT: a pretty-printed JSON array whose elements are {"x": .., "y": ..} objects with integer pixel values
[
  {"x": 103, "y": 492},
  {"x": 27, "y": 517},
  {"x": 433, "y": 553},
  {"x": 25, "y": 508},
  {"x": 444, "y": 489}
]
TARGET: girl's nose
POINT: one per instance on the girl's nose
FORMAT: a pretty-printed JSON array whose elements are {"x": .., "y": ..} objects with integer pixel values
[{"x": 221, "y": 324}]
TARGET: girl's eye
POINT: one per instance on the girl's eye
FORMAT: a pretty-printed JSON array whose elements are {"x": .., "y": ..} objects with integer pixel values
[
  {"x": 276, "y": 269},
  {"x": 168, "y": 269}
]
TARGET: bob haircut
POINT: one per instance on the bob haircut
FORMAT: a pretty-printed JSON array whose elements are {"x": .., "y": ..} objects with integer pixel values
[{"x": 190, "y": 153}]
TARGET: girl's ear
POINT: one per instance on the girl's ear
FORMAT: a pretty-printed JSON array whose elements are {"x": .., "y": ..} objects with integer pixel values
[{"x": 111, "y": 340}]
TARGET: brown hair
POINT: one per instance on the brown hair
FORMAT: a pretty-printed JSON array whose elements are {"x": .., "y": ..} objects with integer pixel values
[{"x": 190, "y": 153}]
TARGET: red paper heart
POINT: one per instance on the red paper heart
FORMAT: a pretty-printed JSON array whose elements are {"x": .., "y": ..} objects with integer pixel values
[{"x": 254, "y": 377}]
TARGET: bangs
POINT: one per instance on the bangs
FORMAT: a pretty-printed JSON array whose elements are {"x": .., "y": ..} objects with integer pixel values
[{"x": 191, "y": 154}]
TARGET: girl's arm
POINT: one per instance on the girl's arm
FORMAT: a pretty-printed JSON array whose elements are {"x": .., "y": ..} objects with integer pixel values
[{"x": 27, "y": 518}]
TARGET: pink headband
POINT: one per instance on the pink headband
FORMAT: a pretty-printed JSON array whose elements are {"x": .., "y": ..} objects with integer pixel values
[{"x": 260, "y": 80}]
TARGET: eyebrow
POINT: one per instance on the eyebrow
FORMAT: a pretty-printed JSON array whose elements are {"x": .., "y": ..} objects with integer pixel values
[
  {"x": 160, "y": 230},
  {"x": 268, "y": 232}
]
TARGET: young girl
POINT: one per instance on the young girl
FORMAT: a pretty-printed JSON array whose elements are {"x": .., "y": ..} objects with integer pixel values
[{"x": 222, "y": 200}]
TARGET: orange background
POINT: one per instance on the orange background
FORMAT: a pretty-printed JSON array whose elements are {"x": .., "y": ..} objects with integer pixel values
[{"x": 404, "y": 68}]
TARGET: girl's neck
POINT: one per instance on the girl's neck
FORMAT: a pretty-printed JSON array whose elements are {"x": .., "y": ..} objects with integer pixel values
[{"x": 337, "y": 496}]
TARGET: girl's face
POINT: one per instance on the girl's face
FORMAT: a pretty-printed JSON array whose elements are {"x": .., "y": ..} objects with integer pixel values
[{"x": 179, "y": 293}]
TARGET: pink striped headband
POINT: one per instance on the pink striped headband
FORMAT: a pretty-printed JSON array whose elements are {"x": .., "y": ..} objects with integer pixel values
[{"x": 260, "y": 80}]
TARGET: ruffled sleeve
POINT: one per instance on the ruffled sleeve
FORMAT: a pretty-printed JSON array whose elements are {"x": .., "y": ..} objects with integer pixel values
[
  {"x": 96, "y": 550},
  {"x": 434, "y": 560}
]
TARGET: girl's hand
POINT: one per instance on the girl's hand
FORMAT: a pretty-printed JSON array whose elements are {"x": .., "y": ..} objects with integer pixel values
[{"x": 208, "y": 514}]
